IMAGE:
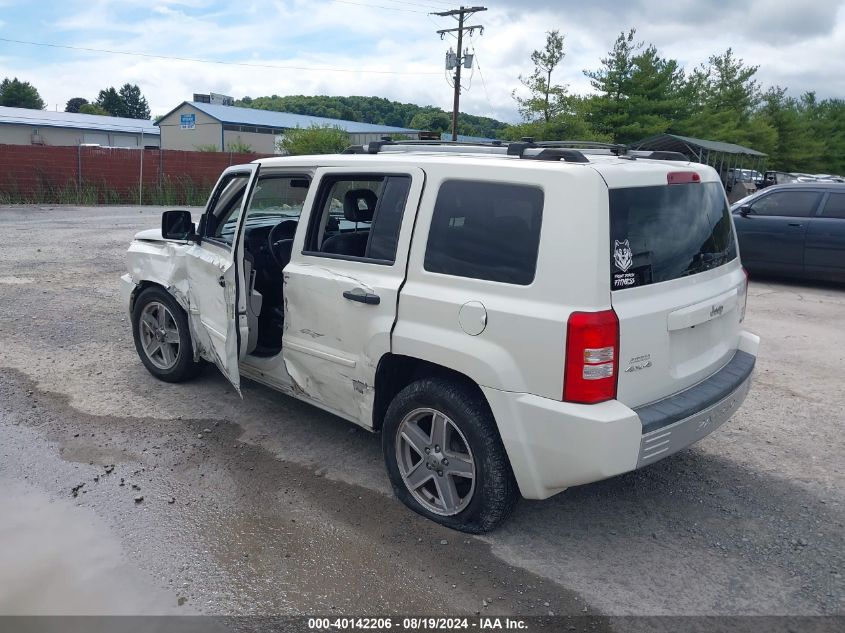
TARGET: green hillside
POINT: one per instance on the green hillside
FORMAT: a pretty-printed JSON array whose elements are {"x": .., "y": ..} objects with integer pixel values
[{"x": 377, "y": 110}]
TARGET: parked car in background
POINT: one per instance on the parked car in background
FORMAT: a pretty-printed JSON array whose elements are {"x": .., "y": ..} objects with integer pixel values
[
  {"x": 796, "y": 230},
  {"x": 776, "y": 178}
]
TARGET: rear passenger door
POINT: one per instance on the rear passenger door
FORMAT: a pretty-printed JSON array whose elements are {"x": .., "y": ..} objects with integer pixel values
[
  {"x": 825, "y": 243},
  {"x": 342, "y": 283},
  {"x": 772, "y": 234}
]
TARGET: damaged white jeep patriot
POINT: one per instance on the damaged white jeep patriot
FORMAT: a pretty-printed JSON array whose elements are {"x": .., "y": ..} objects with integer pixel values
[{"x": 513, "y": 319}]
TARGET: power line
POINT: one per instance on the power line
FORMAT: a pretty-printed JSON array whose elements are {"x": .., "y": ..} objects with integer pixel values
[
  {"x": 377, "y": 6},
  {"x": 199, "y": 60},
  {"x": 480, "y": 74},
  {"x": 414, "y": 4}
]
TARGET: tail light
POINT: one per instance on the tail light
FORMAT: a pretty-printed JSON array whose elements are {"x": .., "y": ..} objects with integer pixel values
[
  {"x": 744, "y": 297},
  {"x": 682, "y": 177},
  {"x": 592, "y": 357}
]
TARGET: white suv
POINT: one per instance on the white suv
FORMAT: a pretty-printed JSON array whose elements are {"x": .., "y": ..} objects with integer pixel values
[{"x": 513, "y": 319}]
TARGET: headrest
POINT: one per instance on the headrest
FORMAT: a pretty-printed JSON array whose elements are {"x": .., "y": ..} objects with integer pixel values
[{"x": 359, "y": 205}]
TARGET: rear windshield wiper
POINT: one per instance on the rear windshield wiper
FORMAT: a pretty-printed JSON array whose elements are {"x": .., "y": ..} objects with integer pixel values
[{"x": 705, "y": 261}]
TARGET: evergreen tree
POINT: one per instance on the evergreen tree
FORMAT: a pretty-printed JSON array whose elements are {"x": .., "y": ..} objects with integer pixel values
[
  {"x": 19, "y": 94},
  {"x": 796, "y": 148},
  {"x": 111, "y": 102},
  {"x": 75, "y": 103},
  {"x": 128, "y": 102},
  {"x": 724, "y": 96},
  {"x": 607, "y": 111},
  {"x": 134, "y": 103},
  {"x": 826, "y": 120}
]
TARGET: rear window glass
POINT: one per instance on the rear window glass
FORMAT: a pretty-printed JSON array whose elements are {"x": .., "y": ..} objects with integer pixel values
[
  {"x": 485, "y": 230},
  {"x": 666, "y": 232}
]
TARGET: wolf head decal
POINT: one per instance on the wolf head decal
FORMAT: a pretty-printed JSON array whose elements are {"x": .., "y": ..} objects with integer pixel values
[{"x": 622, "y": 255}]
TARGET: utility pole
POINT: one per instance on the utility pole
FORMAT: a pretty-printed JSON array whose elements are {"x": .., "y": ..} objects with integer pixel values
[{"x": 461, "y": 15}]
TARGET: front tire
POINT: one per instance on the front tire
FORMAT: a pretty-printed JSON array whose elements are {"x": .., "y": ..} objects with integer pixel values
[
  {"x": 445, "y": 458},
  {"x": 162, "y": 336}
]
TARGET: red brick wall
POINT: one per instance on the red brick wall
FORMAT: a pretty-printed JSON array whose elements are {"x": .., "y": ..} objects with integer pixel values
[{"x": 43, "y": 173}]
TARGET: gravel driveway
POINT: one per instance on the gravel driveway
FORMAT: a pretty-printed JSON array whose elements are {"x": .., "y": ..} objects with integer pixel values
[{"x": 205, "y": 503}]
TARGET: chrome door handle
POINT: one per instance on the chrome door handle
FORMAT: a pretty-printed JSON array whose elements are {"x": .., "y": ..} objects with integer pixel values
[{"x": 362, "y": 296}]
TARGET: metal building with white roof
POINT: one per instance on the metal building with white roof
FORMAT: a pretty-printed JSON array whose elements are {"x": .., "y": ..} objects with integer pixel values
[
  {"x": 194, "y": 125},
  {"x": 23, "y": 126}
]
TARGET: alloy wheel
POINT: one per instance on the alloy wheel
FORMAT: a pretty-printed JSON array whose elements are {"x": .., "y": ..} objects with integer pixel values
[
  {"x": 159, "y": 334},
  {"x": 435, "y": 461}
]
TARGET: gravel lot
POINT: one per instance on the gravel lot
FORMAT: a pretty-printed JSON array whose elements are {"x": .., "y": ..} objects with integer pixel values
[{"x": 268, "y": 506}]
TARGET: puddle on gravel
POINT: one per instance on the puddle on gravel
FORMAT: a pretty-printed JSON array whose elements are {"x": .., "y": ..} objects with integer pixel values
[
  {"x": 58, "y": 559},
  {"x": 235, "y": 530}
]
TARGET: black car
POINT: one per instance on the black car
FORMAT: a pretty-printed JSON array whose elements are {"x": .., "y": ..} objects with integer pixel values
[{"x": 795, "y": 230}]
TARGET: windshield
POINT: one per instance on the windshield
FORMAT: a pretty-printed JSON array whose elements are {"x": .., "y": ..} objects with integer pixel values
[{"x": 662, "y": 233}]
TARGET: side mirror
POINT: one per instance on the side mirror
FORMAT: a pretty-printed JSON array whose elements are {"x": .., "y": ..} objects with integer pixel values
[
  {"x": 745, "y": 210},
  {"x": 177, "y": 225}
]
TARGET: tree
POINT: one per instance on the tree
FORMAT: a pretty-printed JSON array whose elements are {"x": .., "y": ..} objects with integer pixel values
[
  {"x": 827, "y": 121},
  {"x": 724, "y": 96},
  {"x": 128, "y": 102},
  {"x": 93, "y": 108},
  {"x": 608, "y": 110},
  {"x": 545, "y": 100},
  {"x": 75, "y": 103},
  {"x": 639, "y": 93},
  {"x": 20, "y": 94},
  {"x": 655, "y": 96},
  {"x": 135, "y": 105},
  {"x": 796, "y": 148},
  {"x": 111, "y": 102},
  {"x": 314, "y": 140},
  {"x": 730, "y": 85},
  {"x": 431, "y": 121}
]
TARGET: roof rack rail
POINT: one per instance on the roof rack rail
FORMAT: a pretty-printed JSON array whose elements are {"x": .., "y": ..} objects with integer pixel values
[
  {"x": 517, "y": 148},
  {"x": 566, "y": 155},
  {"x": 663, "y": 155},
  {"x": 374, "y": 147},
  {"x": 615, "y": 148}
]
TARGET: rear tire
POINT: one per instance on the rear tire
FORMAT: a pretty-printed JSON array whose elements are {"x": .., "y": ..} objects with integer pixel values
[
  {"x": 162, "y": 336},
  {"x": 445, "y": 458}
]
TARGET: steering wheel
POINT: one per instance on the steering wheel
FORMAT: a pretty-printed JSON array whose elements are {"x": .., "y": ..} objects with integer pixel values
[{"x": 284, "y": 230}]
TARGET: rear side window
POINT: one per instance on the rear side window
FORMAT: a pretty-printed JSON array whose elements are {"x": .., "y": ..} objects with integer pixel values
[
  {"x": 666, "y": 232},
  {"x": 835, "y": 206},
  {"x": 485, "y": 230},
  {"x": 792, "y": 204}
]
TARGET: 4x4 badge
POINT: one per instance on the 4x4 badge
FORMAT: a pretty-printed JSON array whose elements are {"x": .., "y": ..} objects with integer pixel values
[{"x": 622, "y": 255}]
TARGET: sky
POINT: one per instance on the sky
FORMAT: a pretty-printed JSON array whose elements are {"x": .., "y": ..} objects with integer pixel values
[{"x": 389, "y": 48}]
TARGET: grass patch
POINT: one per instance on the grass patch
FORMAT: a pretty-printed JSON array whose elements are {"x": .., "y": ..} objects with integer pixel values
[{"x": 181, "y": 191}]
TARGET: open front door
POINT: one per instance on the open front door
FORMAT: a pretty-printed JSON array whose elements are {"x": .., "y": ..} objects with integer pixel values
[{"x": 215, "y": 274}]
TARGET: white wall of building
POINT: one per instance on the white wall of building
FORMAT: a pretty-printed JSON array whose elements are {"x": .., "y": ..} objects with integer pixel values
[{"x": 17, "y": 134}]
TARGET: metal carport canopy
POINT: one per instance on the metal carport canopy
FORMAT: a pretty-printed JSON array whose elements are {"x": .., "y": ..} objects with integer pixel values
[{"x": 692, "y": 147}]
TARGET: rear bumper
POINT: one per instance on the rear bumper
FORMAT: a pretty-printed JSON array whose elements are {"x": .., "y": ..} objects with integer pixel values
[
  {"x": 553, "y": 445},
  {"x": 680, "y": 420}
]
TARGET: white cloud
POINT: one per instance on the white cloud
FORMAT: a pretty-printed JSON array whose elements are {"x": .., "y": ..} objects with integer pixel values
[{"x": 798, "y": 46}]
